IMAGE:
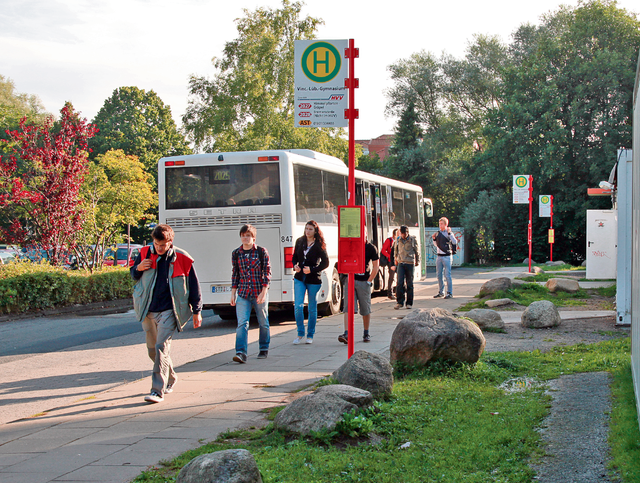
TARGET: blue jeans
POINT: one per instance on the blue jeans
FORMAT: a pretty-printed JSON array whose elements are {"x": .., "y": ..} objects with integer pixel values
[
  {"x": 243, "y": 312},
  {"x": 443, "y": 264},
  {"x": 405, "y": 274},
  {"x": 299, "y": 289}
]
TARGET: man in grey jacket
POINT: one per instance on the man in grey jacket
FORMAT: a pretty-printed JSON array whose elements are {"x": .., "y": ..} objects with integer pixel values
[
  {"x": 166, "y": 295},
  {"x": 407, "y": 256}
]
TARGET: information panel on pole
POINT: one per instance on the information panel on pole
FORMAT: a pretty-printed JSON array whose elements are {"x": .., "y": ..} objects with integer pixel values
[
  {"x": 351, "y": 239},
  {"x": 521, "y": 189},
  {"x": 544, "y": 206},
  {"x": 320, "y": 93}
]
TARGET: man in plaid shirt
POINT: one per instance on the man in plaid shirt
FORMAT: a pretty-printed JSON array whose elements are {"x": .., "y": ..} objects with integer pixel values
[{"x": 251, "y": 273}]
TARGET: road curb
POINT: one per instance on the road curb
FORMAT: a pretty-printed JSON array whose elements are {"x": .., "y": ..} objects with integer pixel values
[{"x": 96, "y": 308}]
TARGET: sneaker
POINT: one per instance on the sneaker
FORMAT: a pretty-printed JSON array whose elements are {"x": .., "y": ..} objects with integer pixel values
[
  {"x": 297, "y": 340},
  {"x": 409, "y": 307},
  {"x": 309, "y": 340},
  {"x": 240, "y": 357},
  {"x": 448, "y": 296},
  {"x": 170, "y": 386},
  {"x": 366, "y": 338},
  {"x": 439, "y": 296},
  {"x": 391, "y": 297},
  {"x": 154, "y": 397},
  {"x": 343, "y": 338},
  {"x": 263, "y": 354},
  {"x": 398, "y": 306}
]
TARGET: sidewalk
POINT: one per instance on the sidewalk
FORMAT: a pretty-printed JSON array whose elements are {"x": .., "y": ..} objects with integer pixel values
[{"x": 112, "y": 436}]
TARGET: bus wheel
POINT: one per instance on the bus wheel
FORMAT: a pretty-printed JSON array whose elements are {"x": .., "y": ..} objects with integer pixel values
[{"x": 332, "y": 307}]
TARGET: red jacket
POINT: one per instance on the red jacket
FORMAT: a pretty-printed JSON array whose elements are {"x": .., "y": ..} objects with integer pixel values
[{"x": 386, "y": 247}]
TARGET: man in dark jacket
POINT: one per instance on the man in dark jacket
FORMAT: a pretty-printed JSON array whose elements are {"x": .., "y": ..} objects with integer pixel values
[
  {"x": 445, "y": 242},
  {"x": 166, "y": 295}
]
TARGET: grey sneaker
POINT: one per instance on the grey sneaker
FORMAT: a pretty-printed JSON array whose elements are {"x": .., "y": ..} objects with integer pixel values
[
  {"x": 240, "y": 357},
  {"x": 366, "y": 338},
  {"x": 398, "y": 306},
  {"x": 409, "y": 306},
  {"x": 439, "y": 296},
  {"x": 170, "y": 386},
  {"x": 154, "y": 397},
  {"x": 263, "y": 354},
  {"x": 448, "y": 296},
  {"x": 343, "y": 338}
]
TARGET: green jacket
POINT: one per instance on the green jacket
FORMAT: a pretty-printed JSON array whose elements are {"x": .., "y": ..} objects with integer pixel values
[{"x": 407, "y": 250}]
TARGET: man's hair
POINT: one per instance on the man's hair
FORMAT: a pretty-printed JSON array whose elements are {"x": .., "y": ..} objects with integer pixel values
[
  {"x": 404, "y": 229},
  {"x": 445, "y": 219},
  {"x": 162, "y": 233},
  {"x": 249, "y": 228}
]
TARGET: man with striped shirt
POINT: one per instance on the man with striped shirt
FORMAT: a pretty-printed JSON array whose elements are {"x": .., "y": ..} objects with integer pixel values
[{"x": 251, "y": 274}]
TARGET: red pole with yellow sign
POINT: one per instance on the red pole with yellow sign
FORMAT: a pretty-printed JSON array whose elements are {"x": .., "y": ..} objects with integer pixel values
[{"x": 551, "y": 233}]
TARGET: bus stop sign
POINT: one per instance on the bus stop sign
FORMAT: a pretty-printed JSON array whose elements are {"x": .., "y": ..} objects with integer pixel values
[{"x": 351, "y": 239}]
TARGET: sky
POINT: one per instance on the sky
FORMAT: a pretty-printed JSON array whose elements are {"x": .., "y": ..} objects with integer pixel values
[{"x": 82, "y": 50}]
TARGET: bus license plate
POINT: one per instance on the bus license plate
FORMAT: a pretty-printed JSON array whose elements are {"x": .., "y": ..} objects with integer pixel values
[{"x": 221, "y": 289}]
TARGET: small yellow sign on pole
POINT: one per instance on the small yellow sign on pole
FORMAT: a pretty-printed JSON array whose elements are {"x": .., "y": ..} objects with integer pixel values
[{"x": 551, "y": 236}]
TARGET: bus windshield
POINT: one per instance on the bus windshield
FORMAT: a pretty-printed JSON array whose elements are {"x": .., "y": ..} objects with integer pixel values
[{"x": 211, "y": 186}]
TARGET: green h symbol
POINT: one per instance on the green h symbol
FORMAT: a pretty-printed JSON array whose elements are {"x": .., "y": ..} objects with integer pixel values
[{"x": 316, "y": 62}]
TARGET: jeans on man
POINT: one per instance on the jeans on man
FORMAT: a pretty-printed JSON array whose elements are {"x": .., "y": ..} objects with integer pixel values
[
  {"x": 159, "y": 328},
  {"x": 443, "y": 264},
  {"x": 243, "y": 313},
  {"x": 299, "y": 289},
  {"x": 405, "y": 275}
]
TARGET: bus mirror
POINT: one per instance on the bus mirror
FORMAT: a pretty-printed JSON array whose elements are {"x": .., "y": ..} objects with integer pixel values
[{"x": 428, "y": 207}]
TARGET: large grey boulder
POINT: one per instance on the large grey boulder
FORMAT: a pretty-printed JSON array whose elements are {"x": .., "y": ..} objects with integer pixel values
[
  {"x": 313, "y": 412},
  {"x": 486, "y": 318},
  {"x": 554, "y": 264},
  {"x": 540, "y": 315},
  {"x": 354, "y": 395},
  {"x": 494, "y": 285},
  {"x": 499, "y": 302},
  {"x": 368, "y": 371},
  {"x": 429, "y": 334},
  {"x": 228, "y": 466},
  {"x": 562, "y": 285}
]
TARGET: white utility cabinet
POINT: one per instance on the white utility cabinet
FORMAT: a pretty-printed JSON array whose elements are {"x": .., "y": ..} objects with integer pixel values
[{"x": 602, "y": 244}]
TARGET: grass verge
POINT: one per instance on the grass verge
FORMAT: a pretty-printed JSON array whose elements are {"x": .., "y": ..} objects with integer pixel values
[{"x": 444, "y": 423}]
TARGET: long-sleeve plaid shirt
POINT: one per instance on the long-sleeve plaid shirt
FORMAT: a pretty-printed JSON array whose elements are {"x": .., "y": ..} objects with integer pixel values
[{"x": 251, "y": 271}]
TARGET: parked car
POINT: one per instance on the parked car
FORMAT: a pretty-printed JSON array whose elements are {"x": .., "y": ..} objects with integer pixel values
[
  {"x": 7, "y": 256},
  {"x": 119, "y": 254}
]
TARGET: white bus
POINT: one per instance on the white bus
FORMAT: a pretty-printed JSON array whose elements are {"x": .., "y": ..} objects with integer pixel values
[{"x": 206, "y": 198}]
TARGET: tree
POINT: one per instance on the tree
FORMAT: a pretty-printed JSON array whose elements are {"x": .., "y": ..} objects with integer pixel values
[
  {"x": 249, "y": 103},
  {"x": 40, "y": 202},
  {"x": 116, "y": 191},
  {"x": 566, "y": 108},
  {"x": 140, "y": 124},
  {"x": 14, "y": 107}
]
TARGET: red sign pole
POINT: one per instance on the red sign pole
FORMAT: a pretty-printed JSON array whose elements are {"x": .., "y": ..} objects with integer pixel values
[
  {"x": 551, "y": 230},
  {"x": 529, "y": 235},
  {"x": 351, "y": 83}
]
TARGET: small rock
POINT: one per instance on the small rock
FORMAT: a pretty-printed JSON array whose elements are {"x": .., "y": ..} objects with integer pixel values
[
  {"x": 554, "y": 264},
  {"x": 562, "y": 285},
  {"x": 540, "y": 315},
  {"x": 499, "y": 302},
  {"x": 228, "y": 466},
  {"x": 537, "y": 270},
  {"x": 367, "y": 371},
  {"x": 354, "y": 395},
  {"x": 486, "y": 319},
  {"x": 313, "y": 412},
  {"x": 494, "y": 285}
]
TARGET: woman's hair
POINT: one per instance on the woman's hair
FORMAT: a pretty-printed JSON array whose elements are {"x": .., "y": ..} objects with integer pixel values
[{"x": 318, "y": 234}]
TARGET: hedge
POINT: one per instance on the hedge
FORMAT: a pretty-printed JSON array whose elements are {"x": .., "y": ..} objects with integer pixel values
[{"x": 27, "y": 286}]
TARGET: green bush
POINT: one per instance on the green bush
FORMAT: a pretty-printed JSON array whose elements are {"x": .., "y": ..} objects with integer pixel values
[{"x": 26, "y": 286}]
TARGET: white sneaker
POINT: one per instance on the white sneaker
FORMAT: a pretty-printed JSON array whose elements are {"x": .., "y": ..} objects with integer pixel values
[
  {"x": 297, "y": 340},
  {"x": 309, "y": 340}
]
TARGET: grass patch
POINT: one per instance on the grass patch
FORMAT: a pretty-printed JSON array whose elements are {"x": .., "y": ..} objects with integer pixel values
[
  {"x": 443, "y": 423},
  {"x": 526, "y": 293}
]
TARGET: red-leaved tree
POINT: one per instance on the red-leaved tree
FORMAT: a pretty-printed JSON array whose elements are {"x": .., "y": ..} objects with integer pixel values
[{"x": 40, "y": 183}]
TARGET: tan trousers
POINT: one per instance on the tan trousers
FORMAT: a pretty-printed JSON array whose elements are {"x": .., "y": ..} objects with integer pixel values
[{"x": 159, "y": 328}]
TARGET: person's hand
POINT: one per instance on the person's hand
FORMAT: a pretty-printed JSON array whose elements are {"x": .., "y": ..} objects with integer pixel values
[
  {"x": 233, "y": 299},
  {"x": 449, "y": 230},
  {"x": 144, "y": 265},
  {"x": 261, "y": 297},
  {"x": 434, "y": 236},
  {"x": 392, "y": 267},
  {"x": 197, "y": 320},
  {"x": 296, "y": 268},
  {"x": 306, "y": 270},
  {"x": 417, "y": 263}
]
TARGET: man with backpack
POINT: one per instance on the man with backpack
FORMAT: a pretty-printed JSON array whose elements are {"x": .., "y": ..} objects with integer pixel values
[
  {"x": 406, "y": 257},
  {"x": 445, "y": 243}
]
